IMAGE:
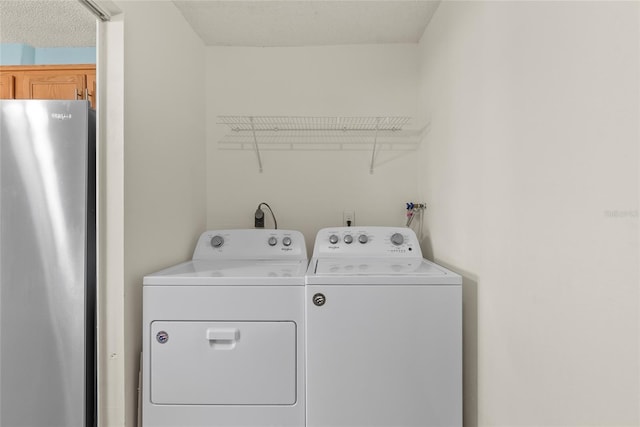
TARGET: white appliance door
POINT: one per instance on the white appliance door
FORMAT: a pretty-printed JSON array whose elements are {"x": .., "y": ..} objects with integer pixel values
[
  {"x": 384, "y": 356},
  {"x": 223, "y": 363}
]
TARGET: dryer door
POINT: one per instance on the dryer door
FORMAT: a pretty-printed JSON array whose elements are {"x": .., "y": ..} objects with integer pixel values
[{"x": 223, "y": 363}]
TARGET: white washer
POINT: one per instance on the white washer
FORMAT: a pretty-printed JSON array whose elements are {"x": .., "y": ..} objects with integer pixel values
[
  {"x": 384, "y": 332},
  {"x": 223, "y": 334}
]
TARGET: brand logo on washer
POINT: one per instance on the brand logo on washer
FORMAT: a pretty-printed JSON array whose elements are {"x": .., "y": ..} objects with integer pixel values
[{"x": 319, "y": 299}]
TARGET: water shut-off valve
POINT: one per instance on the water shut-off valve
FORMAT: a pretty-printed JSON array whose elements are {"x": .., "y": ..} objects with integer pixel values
[{"x": 412, "y": 209}]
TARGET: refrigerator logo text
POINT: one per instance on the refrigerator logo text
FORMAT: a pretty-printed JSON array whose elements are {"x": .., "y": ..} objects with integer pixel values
[{"x": 61, "y": 116}]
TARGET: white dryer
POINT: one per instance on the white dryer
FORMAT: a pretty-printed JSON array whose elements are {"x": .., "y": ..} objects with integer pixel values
[
  {"x": 384, "y": 332},
  {"x": 223, "y": 334}
]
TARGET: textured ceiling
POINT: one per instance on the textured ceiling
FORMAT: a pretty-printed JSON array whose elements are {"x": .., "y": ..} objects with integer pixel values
[
  {"x": 66, "y": 23},
  {"x": 307, "y": 23},
  {"x": 47, "y": 23}
]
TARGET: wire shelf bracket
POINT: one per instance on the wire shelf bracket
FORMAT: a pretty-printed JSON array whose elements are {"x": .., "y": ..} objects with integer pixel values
[{"x": 255, "y": 144}]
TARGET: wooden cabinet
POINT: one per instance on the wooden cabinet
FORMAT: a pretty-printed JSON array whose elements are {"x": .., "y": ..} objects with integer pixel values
[
  {"x": 48, "y": 82},
  {"x": 7, "y": 86},
  {"x": 53, "y": 86}
]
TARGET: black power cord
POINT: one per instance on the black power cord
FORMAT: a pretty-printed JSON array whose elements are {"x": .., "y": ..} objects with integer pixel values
[{"x": 259, "y": 217}]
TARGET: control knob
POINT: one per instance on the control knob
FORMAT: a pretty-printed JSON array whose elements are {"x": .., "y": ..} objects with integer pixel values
[
  {"x": 363, "y": 238},
  {"x": 333, "y": 239},
  {"x": 217, "y": 241},
  {"x": 348, "y": 239},
  {"x": 272, "y": 241},
  {"x": 286, "y": 241},
  {"x": 397, "y": 239}
]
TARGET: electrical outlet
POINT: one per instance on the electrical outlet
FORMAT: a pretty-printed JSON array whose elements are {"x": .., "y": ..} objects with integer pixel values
[{"x": 348, "y": 218}]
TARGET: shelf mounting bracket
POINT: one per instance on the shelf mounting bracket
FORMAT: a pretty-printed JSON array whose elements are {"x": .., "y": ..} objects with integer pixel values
[
  {"x": 255, "y": 144},
  {"x": 375, "y": 142}
]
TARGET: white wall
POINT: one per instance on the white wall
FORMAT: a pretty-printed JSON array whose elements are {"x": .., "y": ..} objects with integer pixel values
[
  {"x": 309, "y": 190},
  {"x": 531, "y": 173},
  {"x": 162, "y": 173},
  {"x": 530, "y": 169},
  {"x": 110, "y": 219}
]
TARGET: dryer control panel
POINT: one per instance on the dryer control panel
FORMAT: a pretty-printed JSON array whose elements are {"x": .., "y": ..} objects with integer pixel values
[
  {"x": 367, "y": 242},
  {"x": 250, "y": 244}
]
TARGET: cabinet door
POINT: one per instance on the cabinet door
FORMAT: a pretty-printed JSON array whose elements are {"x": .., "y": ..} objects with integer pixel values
[
  {"x": 7, "y": 86},
  {"x": 53, "y": 86}
]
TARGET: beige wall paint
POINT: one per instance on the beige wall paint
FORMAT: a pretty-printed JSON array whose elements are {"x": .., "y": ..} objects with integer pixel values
[
  {"x": 530, "y": 170},
  {"x": 309, "y": 190},
  {"x": 531, "y": 173},
  {"x": 110, "y": 216},
  {"x": 162, "y": 167}
]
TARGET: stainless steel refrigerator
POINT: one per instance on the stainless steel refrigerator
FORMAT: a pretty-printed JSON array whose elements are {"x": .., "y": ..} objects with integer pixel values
[{"x": 47, "y": 264}]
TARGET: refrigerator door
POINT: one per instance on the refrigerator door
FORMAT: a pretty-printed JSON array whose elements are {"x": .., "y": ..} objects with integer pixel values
[{"x": 45, "y": 252}]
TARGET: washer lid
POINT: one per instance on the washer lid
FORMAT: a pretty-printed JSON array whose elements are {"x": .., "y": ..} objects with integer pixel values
[
  {"x": 231, "y": 272},
  {"x": 387, "y": 271}
]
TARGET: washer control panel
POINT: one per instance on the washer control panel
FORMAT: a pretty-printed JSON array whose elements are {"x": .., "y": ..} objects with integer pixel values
[
  {"x": 367, "y": 241},
  {"x": 250, "y": 244}
]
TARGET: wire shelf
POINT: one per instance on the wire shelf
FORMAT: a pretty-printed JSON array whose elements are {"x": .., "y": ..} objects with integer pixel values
[
  {"x": 302, "y": 123},
  {"x": 318, "y": 133}
]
